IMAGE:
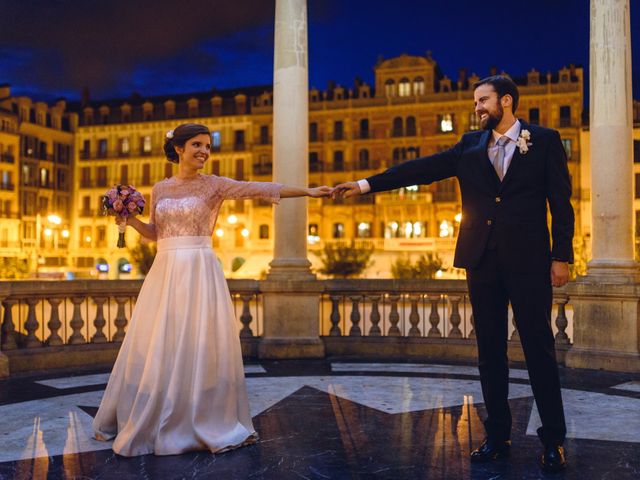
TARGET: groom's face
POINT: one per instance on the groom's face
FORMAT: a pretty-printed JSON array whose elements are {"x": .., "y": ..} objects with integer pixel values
[{"x": 488, "y": 106}]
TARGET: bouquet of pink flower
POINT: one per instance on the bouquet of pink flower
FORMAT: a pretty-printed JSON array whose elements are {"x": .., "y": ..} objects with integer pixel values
[{"x": 123, "y": 201}]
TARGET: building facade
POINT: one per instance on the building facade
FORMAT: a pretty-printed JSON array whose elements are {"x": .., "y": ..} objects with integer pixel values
[{"x": 412, "y": 111}]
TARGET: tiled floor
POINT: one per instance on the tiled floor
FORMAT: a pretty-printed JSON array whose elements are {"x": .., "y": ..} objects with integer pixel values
[{"x": 323, "y": 420}]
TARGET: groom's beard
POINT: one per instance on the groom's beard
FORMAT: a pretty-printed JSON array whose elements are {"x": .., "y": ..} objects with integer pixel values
[{"x": 493, "y": 119}]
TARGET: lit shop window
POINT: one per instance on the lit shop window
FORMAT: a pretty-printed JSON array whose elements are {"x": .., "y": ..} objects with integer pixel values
[
  {"x": 446, "y": 123},
  {"x": 446, "y": 229}
]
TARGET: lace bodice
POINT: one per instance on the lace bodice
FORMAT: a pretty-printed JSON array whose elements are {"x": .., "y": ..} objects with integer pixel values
[{"x": 189, "y": 207}]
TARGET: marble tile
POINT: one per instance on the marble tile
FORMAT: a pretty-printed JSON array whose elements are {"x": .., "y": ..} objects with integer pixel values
[
  {"x": 102, "y": 379},
  {"x": 597, "y": 416},
  {"x": 419, "y": 368},
  {"x": 629, "y": 386}
]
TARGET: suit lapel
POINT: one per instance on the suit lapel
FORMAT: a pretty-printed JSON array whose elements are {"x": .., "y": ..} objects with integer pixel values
[{"x": 485, "y": 162}]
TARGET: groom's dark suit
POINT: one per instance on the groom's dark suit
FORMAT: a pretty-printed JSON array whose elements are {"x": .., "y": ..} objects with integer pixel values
[{"x": 504, "y": 245}]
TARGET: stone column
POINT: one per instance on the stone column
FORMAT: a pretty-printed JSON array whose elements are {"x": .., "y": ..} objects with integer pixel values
[
  {"x": 291, "y": 296},
  {"x": 605, "y": 301},
  {"x": 4, "y": 360},
  {"x": 291, "y": 138}
]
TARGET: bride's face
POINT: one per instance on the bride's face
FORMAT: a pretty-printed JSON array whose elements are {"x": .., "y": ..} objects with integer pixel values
[{"x": 195, "y": 151}]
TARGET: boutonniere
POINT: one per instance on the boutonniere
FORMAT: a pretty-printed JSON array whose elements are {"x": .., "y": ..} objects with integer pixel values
[{"x": 523, "y": 142}]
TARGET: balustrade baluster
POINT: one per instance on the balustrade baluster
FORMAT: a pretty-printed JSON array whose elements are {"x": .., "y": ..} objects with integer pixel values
[
  {"x": 375, "y": 331},
  {"x": 246, "y": 317},
  {"x": 335, "y": 316},
  {"x": 394, "y": 316},
  {"x": 434, "y": 317},
  {"x": 121, "y": 319},
  {"x": 355, "y": 330},
  {"x": 472, "y": 333},
  {"x": 8, "y": 327},
  {"x": 561, "y": 321},
  {"x": 455, "y": 318},
  {"x": 32, "y": 324},
  {"x": 99, "y": 322},
  {"x": 414, "y": 316},
  {"x": 54, "y": 323},
  {"x": 77, "y": 322}
]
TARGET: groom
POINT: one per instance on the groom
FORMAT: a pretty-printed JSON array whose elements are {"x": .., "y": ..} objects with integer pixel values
[{"x": 508, "y": 172}]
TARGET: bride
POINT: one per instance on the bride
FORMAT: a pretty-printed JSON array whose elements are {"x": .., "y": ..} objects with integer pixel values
[{"x": 178, "y": 382}]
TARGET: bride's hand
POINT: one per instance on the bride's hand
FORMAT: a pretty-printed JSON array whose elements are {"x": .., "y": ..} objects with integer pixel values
[
  {"x": 120, "y": 221},
  {"x": 317, "y": 192}
]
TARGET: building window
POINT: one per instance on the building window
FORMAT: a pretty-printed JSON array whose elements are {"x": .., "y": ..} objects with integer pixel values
[
  {"x": 418, "y": 86},
  {"x": 565, "y": 116},
  {"x": 124, "y": 174},
  {"x": 61, "y": 179},
  {"x": 264, "y": 135},
  {"x": 44, "y": 177},
  {"x": 397, "y": 129},
  {"x": 338, "y": 230},
  {"x": 313, "y": 235},
  {"x": 168, "y": 170},
  {"x": 86, "y": 149},
  {"x": 85, "y": 177},
  {"x": 364, "y": 128},
  {"x": 216, "y": 140},
  {"x": 85, "y": 237},
  {"x": 363, "y": 159},
  {"x": 215, "y": 167},
  {"x": 411, "y": 126},
  {"x": 446, "y": 229},
  {"x": 101, "y": 176},
  {"x": 338, "y": 130},
  {"x": 363, "y": 230},
  {"x": 338, "y": 161},
  {"x": 314, "y": 162},
  {"x": 146, "y": 174},
  {"x": 637, "y": 185},
  {"x": 637, "y": 223},
  {"x": 474, "y": 122},
  {"x": 124, "y": 146},
  {"x": 534, "y": 116},
  {"x": 238, "y": 143},
  {"x": 445, "y": 122},
  {"x": 146, "y": 144},
  {"x": 404, "y": 88},
  {"x": 390, "y": 88},
  {"x": 264, "y": 232},
  {"x": 101, "y": 239},
  {"x": 636, "y": 151},
  {"x": 102, "y": 148},
  {"x": 566, "y": 143},
  {"x": 313, "y": 132}
]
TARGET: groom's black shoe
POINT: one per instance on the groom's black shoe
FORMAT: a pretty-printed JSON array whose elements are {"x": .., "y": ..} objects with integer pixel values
[
  {"x": 552, "y": 459},
  {"x": 491, "y": 450}
]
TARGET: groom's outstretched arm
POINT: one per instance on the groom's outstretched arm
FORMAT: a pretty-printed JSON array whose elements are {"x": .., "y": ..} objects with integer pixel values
[{"x": 423, "y": 170}]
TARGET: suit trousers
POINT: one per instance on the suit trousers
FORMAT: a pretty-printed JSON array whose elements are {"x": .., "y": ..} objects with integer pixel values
[{"x": 491, "y": 287}]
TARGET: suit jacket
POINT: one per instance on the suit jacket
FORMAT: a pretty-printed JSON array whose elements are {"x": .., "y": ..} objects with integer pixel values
[{"x": 510, "y": 215}]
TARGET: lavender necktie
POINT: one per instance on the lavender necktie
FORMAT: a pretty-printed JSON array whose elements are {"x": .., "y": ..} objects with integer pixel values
[{"x": 500, "y": 153}]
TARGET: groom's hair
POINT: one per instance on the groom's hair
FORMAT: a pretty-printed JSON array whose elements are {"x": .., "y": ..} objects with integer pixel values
[{"x": 503, "y": 85}]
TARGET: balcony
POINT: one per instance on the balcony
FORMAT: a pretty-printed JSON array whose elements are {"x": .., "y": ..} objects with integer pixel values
[
  {"x": 263, "y": 169},
  {"x": 7, "y": 158},
  {"x": 7, "y": 186}
]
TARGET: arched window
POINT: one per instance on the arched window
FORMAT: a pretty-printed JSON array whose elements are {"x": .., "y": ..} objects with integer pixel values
[
  {"x": 398, "y": 130},
  {"x": 397, "y": 156},
  {"x": 363, "y": 159},
  {"x": 411, "y": 126},
  {"x": 404, "y": 87},
  {"x": 418, "y": 86},
  {"x": 390, "y": 88}
]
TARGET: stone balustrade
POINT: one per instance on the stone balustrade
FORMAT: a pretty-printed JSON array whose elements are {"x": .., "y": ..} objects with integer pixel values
[{"x": 78, "y": 324}]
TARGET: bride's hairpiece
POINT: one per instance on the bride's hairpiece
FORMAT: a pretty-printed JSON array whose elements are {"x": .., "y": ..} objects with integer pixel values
[{"x": 169, "y": 134}]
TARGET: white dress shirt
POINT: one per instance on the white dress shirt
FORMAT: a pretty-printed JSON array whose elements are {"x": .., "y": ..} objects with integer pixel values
[{"x": 509, "y": 148}]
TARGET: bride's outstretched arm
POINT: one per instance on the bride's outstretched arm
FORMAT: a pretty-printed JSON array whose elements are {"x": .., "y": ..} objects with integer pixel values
[
  {"x": 147, "y": 230},
  {"x": 290, "y": 192}
]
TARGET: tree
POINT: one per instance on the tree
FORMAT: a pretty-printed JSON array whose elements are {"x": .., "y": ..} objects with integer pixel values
[
  {"x": 425, "y": 267},
  {"x": 345, "y": 260},
  {"x": 580, "y": 257},
  {"x": 12, "y": 268},
  {"x": 143, "y": 255}
]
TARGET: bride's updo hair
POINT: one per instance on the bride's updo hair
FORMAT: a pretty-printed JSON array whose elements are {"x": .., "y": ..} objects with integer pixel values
[{"x": 179, "y": 136}]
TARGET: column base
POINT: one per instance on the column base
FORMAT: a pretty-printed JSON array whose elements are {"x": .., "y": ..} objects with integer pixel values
[
  {"x": 284, "y": 269},
  {"x": 282, "y": 348},
  {"x": 4, "y": 365},
  {"x": 612, "y": 272},
  {"x": 603, "y": 360}
]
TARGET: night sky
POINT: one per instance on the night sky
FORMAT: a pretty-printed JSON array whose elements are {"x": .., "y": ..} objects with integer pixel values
[{"x": 53, "y": 49}]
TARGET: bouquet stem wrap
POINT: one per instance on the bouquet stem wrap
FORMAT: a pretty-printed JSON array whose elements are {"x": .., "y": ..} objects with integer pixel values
[
  {"x": 123, "y": 201},
  {"x": 121, "y": 228}
]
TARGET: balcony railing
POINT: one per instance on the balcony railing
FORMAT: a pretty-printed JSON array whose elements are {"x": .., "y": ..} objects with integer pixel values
[
  {"x": 7, "y": 158},
  {"x": 7, "y": 186},
  {"x": 44, "y": 323},
  {"x": 263, "y": 169}
]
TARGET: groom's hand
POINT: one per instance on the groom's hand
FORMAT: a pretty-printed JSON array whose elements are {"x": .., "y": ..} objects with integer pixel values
[
  {"x": 559, "y": 273},
  {"x": 346, "y": 190}
]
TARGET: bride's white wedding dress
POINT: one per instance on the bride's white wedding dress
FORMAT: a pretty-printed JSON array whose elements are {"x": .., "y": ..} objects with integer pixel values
[{"x": 178, "y": 382}]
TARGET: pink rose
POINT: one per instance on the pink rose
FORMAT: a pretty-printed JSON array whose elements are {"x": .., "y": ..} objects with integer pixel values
[
  {"x": 118, "y": 206},
  {"x": 132, "y": 206},
  {"x": 124, "y": 192},
  {"x": 113, "y": 195}
]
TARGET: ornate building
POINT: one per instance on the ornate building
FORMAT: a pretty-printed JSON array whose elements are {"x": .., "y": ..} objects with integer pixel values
[
  {"x": 41, "y": 155},
  {"x": 413, "y": 110}
]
